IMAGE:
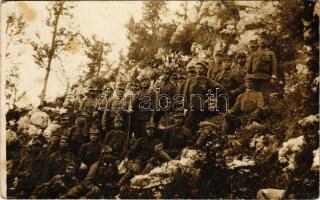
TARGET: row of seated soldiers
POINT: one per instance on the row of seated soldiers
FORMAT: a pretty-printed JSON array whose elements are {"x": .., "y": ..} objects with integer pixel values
[{"x": 81, "y": 159}]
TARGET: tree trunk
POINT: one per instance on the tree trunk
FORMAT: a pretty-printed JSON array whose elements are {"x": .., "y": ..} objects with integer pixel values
[{"x": 50, "y": 57}]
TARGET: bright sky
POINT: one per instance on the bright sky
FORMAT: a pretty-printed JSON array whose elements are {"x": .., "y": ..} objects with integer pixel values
[{"x": 106, "y": 19}]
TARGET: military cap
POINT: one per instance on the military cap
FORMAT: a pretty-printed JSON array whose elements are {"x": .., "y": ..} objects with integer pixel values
[
  {"x": 83, "y": 114},
  {"x": 227, "y": 57},
  {"x": 94, "y": 130},
  {"x": 143, "y": 77},
  {"x": 65, "y": 116},
  {"x": 64, "y": 137},
  {"x": 191, "y": 66},
  {"x": 118, "y": 118},
  {"x": 250, "y": 77},
  {"x": 55, "y": 133},
  {"x": 36, "y": 142},
  {"x": 178, "y": 115},
  {"x": 202, "y": 63},
  {"x": 107, "y": 86},
  {"x": 241, "y": 54},
  {"x": 207, "y": 123},
  {"x": 106, "y": 149},
  {"x": 135, "y": 82},
  {"x": 253, "y": 43},
  {"x": 174, "y": 75},
  {"x": 219, "y": 52},
  {"x": 151, "y": 124},
  {"x": 121, "y": 85},
  {"x": 73, "y": 164},
  {"x": 93, "y": 87}
]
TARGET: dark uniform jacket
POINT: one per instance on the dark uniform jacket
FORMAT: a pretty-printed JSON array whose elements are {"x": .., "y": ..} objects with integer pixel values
[
  {"x": 116, "y": 139},
  {"x": 89, "y": 153},
  {"x": 175, "y": 139},
  {"x": 263, "y": 64}
]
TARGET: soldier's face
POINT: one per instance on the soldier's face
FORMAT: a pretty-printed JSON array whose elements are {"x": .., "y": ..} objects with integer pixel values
[
  {"x": 205, "y": 129},
  {"x": 150, "y": 131},
  {"x": 145, "y": 83},
  {"x": 54, "y": 140},
  {"x": 120, "y": 92},
  {"x": 117, "y": 124},
  {"x": 63, "y": 144},
  {"x": 192, "y": 73},
  {"x": 93, "y": 137},
  {"x": 218, "y": 58},
  {"x": 249, "y": 84},
  {"x": 81, "y": 119},
  {"x": 227, "y": 63},
  {"x": 108, "y": 92},
  {"x": 64, "y": 121},
  {"x": 135, "y": 87},
  {"x": 178, "y": 121},
  {"x": 70, "y": 170},
  {"x": 106, "y": 155},
  {"x": 241, "y": 60}
]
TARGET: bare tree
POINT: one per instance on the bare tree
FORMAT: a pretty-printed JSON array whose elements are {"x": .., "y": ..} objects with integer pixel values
[
  {"x": 97, "y": 51},
  {"x": 14, "y": 35},
  {"x": 62, "y": 35}
]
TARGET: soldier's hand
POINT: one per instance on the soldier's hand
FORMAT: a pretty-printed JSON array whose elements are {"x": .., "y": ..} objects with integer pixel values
[
  {"x": 158, "y": 147},
  {"x": 83, "y": 166}
]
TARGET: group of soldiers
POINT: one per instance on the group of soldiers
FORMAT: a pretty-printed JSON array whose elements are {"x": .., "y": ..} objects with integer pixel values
[{"x": 110, "y": 136}]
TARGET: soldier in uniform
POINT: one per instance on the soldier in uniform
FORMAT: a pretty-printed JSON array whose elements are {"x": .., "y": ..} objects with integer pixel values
[
  {"x": 65, "y": 124},
  {"x": 104, "y": 99},
  {"x": 263, "y": 64},
  {"x": 250, "y": 103},
  {"x": 141, "y": 155},
  {"x": 174, "y": 139},
  {"x": 30, "y": 170},
  {"x": 78, "y": 134},
  {"x": 58, "y": 185},
  {"x": 117, "y": 106},
  {"x": 100, "y": 180},
  {"x": 231, "y": 79},
  {"x": 89, "y": 152},
  {"x": 196, "y": 95},
  {"x": 253, "y": 46},
  {"x": 89, "y": 103},
  {"x": 116, "y": 137},
  {"x": 239, "y": 72},
  {"x": 58, "y": 160},
  {"x": 52, "y": 145},
  {"x": 143, "y": 108},
  {"x": 216, "y": 66}
]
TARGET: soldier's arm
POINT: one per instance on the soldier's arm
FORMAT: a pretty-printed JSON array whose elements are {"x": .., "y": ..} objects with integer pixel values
[
  {"x": 274, "y": 65},
  {"x": 104, "y": 118},
  {"x": 260, "y": 101},
  {"x": 237, "y": 106},
  {"x": 249, "y": 64},
  {"x": 92, "y": 171}
]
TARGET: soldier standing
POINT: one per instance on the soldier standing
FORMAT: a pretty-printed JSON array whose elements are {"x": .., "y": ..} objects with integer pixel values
[
  {"x": 216, "y": 66},
  {"x": 116, "y": 137},
  {"x": 239, "y": 72},
  {"x": 89, "y": 152},
  {"x": 79, "y": 133},
  {"x": 143, "y": 108},
  {"x": 263, "y": 65},
  {"x": 117, "y": 106}
]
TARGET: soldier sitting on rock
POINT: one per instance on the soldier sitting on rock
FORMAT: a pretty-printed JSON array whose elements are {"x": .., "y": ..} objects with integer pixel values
[
  {"x": 58, "y": 185},
  {"x": 79, "y": 133},
  {"x": 250, "y": 103},
  {"x": 30, "y": 171},
  {"x": 174, "y": 139},
  {"x": 141, "y": 155},
  {"x": 100, "y": 180}
]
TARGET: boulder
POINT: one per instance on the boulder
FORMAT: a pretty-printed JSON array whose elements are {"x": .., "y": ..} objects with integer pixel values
[
  {"x": 39, "y": 119},
  {"x": 315, "y": 164},
  {"x": 270, "y": 193}
]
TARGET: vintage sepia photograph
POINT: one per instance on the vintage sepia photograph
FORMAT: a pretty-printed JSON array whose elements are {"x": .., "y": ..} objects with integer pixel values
[{"x": 160, "y": 99}]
